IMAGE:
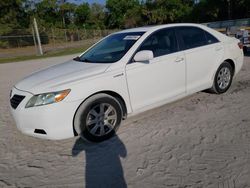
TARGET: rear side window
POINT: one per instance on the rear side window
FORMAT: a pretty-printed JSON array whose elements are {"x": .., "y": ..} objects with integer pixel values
[
  {"x": 161, "y": 43},
  {"x": 192, "y": 37},
  {"x": 210, "y": 38}
]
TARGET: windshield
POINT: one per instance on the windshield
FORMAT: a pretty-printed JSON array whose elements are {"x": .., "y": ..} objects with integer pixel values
[{"x": 111, "y": 49}]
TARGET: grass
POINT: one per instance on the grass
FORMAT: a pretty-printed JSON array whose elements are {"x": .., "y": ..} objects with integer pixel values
[{"x": 62, "y": 52}]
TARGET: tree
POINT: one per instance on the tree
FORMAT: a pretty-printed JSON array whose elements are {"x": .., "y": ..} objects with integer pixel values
[
  {"x": 67, "y": 12},
  {"x": 16, "y": 14},
  {"x": 240, "y": 8},
  {"x": 215, "y": 10},
  {"x": 117, "y": 10},
  {"x": 97, "y": 16},
  {"x": 133, "y": 17},
  {"x": 209, "y": 10},
  {"x": 47, "y": 13},
  {"x": 161, "y": 11},
  {"x": 12, "y": 15},
  {"x": 82, "y": 14}
]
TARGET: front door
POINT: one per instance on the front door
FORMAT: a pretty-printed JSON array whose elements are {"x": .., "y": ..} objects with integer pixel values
[{"x": 161, "y": 78}]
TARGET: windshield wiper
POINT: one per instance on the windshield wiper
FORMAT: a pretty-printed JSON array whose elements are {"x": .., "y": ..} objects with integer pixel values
[
  {"x": 82, "y": 60},
  {"x": 86, "y": 60}
]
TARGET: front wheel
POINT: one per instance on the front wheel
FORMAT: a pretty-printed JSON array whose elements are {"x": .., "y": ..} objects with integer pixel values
[
  {"x": 223, "y": 78},
  {"x": 98, "y": 118}
]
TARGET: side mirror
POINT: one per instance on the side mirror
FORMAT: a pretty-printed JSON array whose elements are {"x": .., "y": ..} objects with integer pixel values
[
  {"x": 77, "y": 58},
  {"x": 144, "y": 55}
]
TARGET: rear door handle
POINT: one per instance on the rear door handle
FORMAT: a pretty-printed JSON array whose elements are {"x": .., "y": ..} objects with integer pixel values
[{"x": 179, "y": 59}]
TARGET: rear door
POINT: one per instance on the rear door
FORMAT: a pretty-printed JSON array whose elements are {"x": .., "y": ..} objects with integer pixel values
[{"x": 202, "y": 52}]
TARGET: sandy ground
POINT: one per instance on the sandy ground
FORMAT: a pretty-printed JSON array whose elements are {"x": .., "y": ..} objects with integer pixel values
[{"x": 200, "y": 141}]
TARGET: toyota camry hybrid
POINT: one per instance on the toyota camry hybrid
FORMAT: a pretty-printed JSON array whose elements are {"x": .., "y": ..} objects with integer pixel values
[{"x": 125, "y": 73}]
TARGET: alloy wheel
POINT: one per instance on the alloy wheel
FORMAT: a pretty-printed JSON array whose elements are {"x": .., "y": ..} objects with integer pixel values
[
  {"x": 101, "y": 119},
  {"x": 224, "y": 77}
]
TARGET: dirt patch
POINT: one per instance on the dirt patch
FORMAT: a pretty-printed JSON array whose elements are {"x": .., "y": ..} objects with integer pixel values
[{"x": 200, "y": 141}]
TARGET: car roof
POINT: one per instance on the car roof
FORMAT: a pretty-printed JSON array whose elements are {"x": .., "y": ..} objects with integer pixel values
[
  {"x": 156, "y": 27},
  {"x": 153, "y": 28}
]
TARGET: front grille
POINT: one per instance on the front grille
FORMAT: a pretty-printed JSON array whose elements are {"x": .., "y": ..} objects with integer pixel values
[{"x": 16, "y": 100}]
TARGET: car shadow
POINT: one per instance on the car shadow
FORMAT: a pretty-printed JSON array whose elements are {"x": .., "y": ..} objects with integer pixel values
[{"x": 103, "y": 165}]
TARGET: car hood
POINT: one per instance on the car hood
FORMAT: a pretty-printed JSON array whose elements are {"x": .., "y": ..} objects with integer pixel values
[{"x": 59, "y": 75}]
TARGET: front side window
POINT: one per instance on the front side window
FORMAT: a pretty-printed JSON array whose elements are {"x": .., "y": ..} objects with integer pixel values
[
  {"x": 192, "y": 37},
  {"x": 111, "y": 49},
  {"x": 162, "y": 42}
]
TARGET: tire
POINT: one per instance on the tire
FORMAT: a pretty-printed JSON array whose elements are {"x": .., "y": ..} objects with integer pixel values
[
  {"x": 98, "y": 118},
  {"x": 223, "y": 78},
  {"x": 245, "y": 50}
]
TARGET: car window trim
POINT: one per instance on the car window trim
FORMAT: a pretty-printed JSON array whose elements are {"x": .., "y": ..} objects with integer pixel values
[
  {"x": 180, "y": 39},
  {"x": 178, "y": 47},
  {"x": 212, "y": 36},
  {"x": 183, "y": 48}
]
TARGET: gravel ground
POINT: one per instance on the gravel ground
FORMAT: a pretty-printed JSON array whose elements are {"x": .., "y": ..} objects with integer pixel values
[{"x": 200, "y": 141}]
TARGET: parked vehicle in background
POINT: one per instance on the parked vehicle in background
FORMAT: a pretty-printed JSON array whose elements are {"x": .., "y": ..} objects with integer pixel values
[
  {"x": 125, "y": 73},
  {"x": 244, "y": 36}
]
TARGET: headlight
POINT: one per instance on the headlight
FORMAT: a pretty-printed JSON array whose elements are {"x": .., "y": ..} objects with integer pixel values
[{"x": 47, "y": 98}]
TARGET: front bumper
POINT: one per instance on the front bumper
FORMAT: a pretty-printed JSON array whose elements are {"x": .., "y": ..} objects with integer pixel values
[{"x": 56, "y": 120}]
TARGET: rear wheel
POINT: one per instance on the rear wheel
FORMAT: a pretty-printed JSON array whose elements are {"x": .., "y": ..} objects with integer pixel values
[
  {"x": 223, "y": 78},
  {"x": 98, "y": 118}
]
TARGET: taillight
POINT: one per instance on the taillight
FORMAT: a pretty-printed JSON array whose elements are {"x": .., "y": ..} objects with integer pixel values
[{"x": 240, "y": 45}]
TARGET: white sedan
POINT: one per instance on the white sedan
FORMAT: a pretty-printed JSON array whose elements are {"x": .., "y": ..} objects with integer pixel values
[{"x": 123, "y": 74}]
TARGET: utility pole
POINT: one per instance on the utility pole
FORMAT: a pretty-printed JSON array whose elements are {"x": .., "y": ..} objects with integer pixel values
[
  {"x": 34, "y": 38},
  {"x": 38, "y": 38}
]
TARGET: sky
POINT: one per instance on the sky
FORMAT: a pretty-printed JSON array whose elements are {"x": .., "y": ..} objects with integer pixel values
[{"x": 88, "y": 1}]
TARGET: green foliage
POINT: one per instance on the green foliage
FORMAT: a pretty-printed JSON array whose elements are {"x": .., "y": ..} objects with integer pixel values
[
  {"x": 161, "y": 11},
  {"x": 67, "y": 11},
  {"x": 17, "y": 14},
  {"x": 240, "y": 9},
  {"x": 82, "y": 14},
  {"x": 12, "y": 15},
  {"x": 97, "y": 16},
  {"x": 213, "y": 10},
  {"x": 117, "y": 10},
  {"x": 47, "y": 12}
]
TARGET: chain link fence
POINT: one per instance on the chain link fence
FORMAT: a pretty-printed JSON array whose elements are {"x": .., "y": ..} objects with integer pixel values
[
  {"x": 22, "y": 42},
  {"x": 230, "y": 27}
]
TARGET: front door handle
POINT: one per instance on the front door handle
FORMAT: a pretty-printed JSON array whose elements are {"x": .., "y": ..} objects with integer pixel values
[{"x": 179, "y": 59}]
